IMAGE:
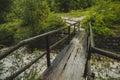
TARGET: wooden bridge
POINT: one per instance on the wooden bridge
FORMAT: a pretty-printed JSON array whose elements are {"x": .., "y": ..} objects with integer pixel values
[{"x": 73, "y": 62}]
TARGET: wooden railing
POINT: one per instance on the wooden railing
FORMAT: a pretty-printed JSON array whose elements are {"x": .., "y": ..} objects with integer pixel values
[
  {"x": 106, "y": 53},
  {"x": 48, "y": 47},
  {"x": 108, "y": 43},
  {"x": 93, "y": 49}
]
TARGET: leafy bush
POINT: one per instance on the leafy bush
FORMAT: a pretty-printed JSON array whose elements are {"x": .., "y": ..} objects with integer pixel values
[
  {"x": 22, "y": 33},
  {"x": 4, "y": 8},
  {"x": 32, "y": 19},
  {"x": 16, "y": 11},
  {"x": 68, "y": 5},
  {"x": 98, "y": 25},
  {"x": 51, "y": 23},
  {"x": 35, "y": 11},
  {"x": 103, "y": 17},
  {"x": 6, "y": 36},
  {"x": 115, "y": 11}
]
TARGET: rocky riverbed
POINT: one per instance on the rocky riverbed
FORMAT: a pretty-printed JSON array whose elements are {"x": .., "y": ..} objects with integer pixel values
[
  {"x": 19, "y": 59},
  {"x": 105, "y": 68}
]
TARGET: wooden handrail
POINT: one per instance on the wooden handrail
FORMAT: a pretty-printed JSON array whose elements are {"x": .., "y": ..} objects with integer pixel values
[
  {"x": 101, "y": 51},
  {"x": 106, "y": 53},
  {"x": 91, "y": 35},
  {"x": 90, "y": 42},
  {"x": 14, "y": 75},
  {"x": 27, "y": 41},
  {"x": 58, "y": 42},
  {"x": 32, "y": 62},
  {"x": 93, "y": 49}
]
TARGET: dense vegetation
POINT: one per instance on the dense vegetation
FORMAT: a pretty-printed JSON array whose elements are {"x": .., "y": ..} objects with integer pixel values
[
  {"x": 4, "y": 8},
  {"x": 21, "y": 19},
  {"x": 67, "y": 5},
  {"x": 104, "y": 16}
]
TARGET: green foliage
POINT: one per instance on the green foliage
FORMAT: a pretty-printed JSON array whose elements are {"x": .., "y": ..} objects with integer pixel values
[
  {"x": 22, "y": 33},
  {"x": 51, "y": 23},
  {"x": 8, "y": 32},
  {"x": 33, "y": 75},
  {"x": 98, "y": 25},
  {"x": 68, "y": 5},
  {"x": 6, "y": 36},
  {"x": 61, "y": 6},
  {"x": 36, "y": 51},
  {"x": 103, "y": 17},
  {"x": 30, "y": 14},
  {"x": 16, "y": 11},
  {"x": 35, "y": 11},
  {"x": 28, "y": 18},
  {"x": 115, "y": 11},
  {"x": 4, "y": 8},
  {"x": 5, "y": 5}
]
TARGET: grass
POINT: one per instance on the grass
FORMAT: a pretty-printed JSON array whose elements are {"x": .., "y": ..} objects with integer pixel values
[
  {"x": 116, "y": 28},
  {"x": 10, "y": 25}
]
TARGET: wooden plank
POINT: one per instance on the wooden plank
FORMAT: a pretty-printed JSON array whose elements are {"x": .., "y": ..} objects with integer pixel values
[
  {"x": 72, "y": 63},
  {"x": 58, "y": 58},
  {"x": 106, "y": 53},
  {"x": 58, "y": 70},
  {"x": 55, "y": 62}
]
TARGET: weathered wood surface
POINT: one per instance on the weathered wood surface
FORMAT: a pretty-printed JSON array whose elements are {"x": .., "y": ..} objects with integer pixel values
[
  {"x": 106, "y": 53},
  {"x": 70, "y": 63}
]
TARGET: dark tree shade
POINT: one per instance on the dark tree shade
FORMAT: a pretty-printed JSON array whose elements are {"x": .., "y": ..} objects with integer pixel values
[
  {"x": 67, "y": 5},
  {"x": 4, "y": 8}
]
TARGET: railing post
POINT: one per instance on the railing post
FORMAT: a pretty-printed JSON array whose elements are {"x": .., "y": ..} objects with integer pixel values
[
  {"x": 78, "y": 26},
  {"x": 74, "y": 29},
  {"x": 68, "y": 34},
  {"x": 87, "y": 72},
  {"x": 48, "y": 51}
]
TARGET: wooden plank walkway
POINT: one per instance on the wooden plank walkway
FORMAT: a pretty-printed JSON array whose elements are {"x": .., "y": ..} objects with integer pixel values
[{"x": 70, "y": 63}]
